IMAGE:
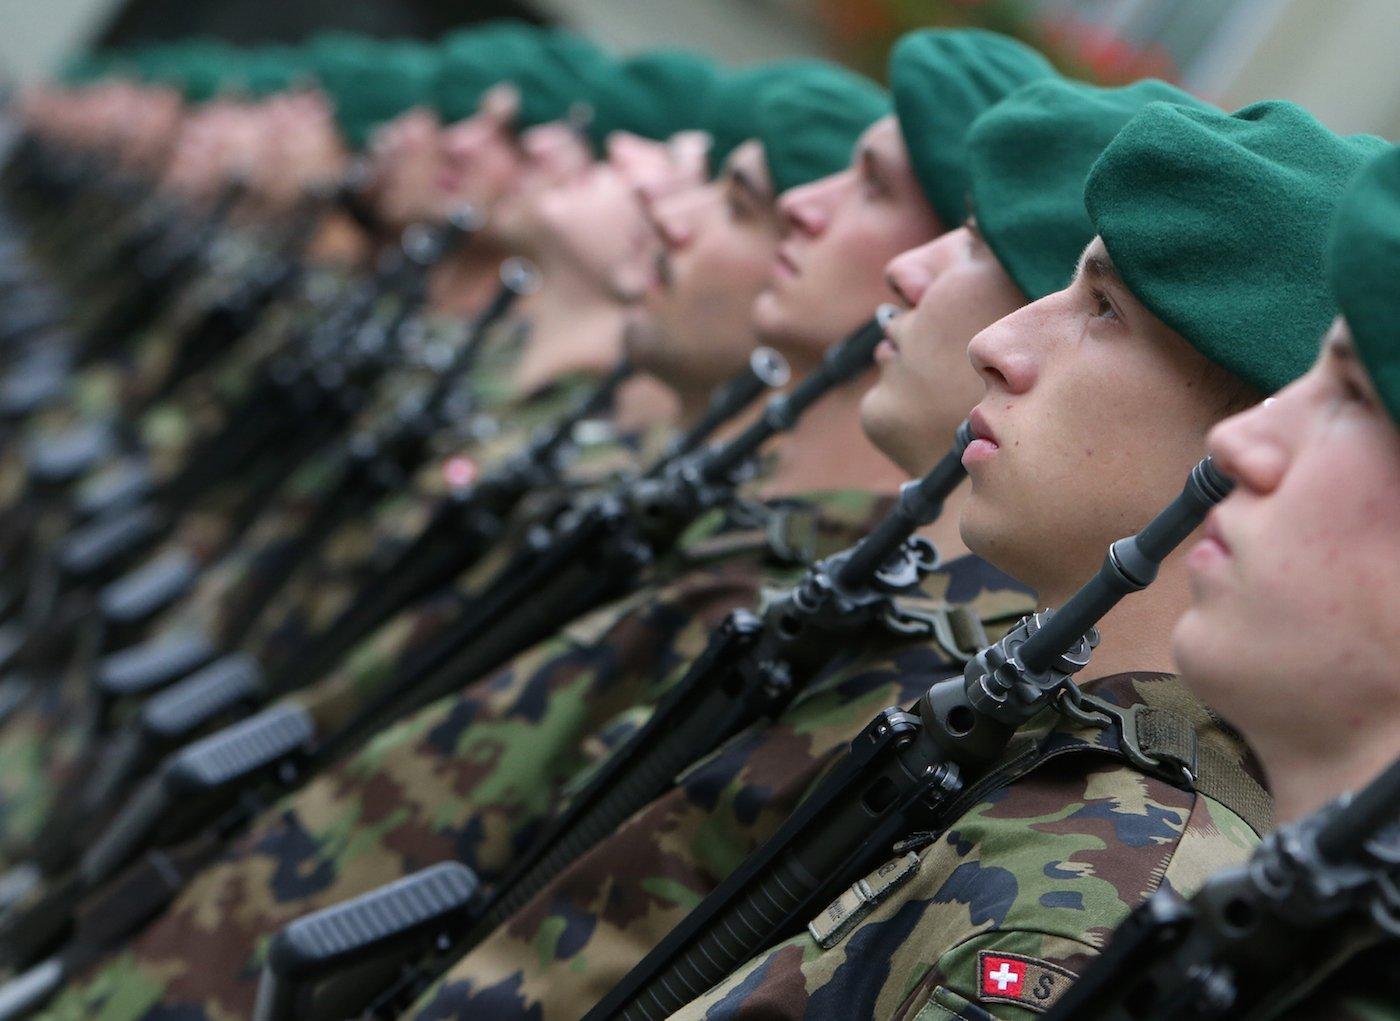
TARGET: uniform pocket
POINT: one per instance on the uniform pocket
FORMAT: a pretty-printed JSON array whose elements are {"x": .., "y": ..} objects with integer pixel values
[{"x": 946, "y": 1005}]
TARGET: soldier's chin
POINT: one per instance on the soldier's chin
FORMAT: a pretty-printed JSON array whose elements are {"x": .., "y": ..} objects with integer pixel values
[
  {"x": 769, "y": 316},
  {"x": 1197, "y": 647},
  {"x": 887, "y": 429},
  {"x": 991, "y": 533},
  {"x": 647, "y": 353}
]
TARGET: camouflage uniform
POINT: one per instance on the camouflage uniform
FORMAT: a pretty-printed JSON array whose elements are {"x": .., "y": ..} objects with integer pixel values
[
  {"x": 41, "y": 736},
  {"x": 122, "y": 385},
  {"x": 312, "y": 600},
  {"x": 471, "y": 777},
  {"x": 123, "y": 390},
  {"x": 1034, "y": 875},
  {"x": 42, "y": 744},
  {"x": 584, "y": 930}
]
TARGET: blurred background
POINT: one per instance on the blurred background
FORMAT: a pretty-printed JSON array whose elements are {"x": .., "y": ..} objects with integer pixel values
[{"x": 1337, "y": 57}]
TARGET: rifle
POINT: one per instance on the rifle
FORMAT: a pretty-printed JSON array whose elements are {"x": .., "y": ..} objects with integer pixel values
[
  {"x": 324, "y": 382},
  {"x": 235, "y": 683},
  {"x": 595, "y": 554},
  {"x": 262, "y": 280},
  {"x": 464, "y": 525},
  {"x": 365, "y": 470},
  {"x": 203, "y": 791},
  {"x": 751, "y": 669},
  {"x": 376, "y": 462},
  {"x": 1257, "y": 937},
  {"x": 321, "y": 379},
  {"x": 905, "y": 770},
  {"x": 231, "y": 685},
  {"x": 160, "y": 267}
]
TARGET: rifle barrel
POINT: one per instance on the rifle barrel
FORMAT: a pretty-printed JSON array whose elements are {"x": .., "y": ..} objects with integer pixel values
[
  {"x": 1130, "y": 566},
  {"x": 1373, "y": 808},
  {"x": 842, "y": 363},
  {"x": 766, "y": 370},
  {"x": 920, "y": 502}
]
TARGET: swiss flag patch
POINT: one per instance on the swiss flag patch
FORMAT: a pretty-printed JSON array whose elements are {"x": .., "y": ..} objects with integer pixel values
[
  {"x": 1028, "y": 982},
  {"x": 460, "y": 471},
  {"x": 1002, "y": 976}
]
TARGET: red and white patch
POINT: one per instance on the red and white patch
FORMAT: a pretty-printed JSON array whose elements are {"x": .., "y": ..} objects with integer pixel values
[
  {"x": 1028, "y": 982},
  {"x": 460, "y": 471},
  {"x": 1003, "y": 977}
]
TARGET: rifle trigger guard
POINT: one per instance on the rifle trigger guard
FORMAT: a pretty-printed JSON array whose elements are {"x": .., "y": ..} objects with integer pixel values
[{"x": 1089, "y": 711}]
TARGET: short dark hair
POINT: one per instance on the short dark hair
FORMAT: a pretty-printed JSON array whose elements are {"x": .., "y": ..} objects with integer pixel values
[{"x": 1230, "y": 393}]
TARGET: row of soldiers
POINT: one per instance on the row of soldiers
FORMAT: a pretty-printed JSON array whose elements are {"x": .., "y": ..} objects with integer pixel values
[{"x": 496, "y": 529}]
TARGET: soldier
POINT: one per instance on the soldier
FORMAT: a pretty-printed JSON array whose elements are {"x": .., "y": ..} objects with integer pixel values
[
  {"x": 1098, "y": 399},
  {"x": 576, "y": 328},
  {"x": 473, "y": 776},
  {"x": 1294, "y": 575},
  {"x": 1019, "y": 245},
  {"x": 126, "y": 384},
  {"x": 41, "y": 743},
  {"x": 576, "y": 938}
]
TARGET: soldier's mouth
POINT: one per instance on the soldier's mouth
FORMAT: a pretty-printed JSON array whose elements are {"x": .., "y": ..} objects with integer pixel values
[{"x": 984, "y": 444}]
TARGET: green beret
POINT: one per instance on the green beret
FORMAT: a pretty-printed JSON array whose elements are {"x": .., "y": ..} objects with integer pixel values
[
  {"x": 199, "y": 68},
  {"x": 473, "y": 60},
  {"x": 942, "y": 81},
  {"x": 368, "y": 81},
  {"x": 87, "y": 68},
  {"x": 654, "y": 94},
  {"x": 1363, "y": 262},
  {"x": 809, "y": 122},
  {"x": 271, "y": 69},
  {"x": 550, "y": 68},
  {"x": 1028, "y": 158},
  {"x": 1217, "y": 223},
  {"x": 730, "y": 110},
  {"x": 557, "y": 83}
]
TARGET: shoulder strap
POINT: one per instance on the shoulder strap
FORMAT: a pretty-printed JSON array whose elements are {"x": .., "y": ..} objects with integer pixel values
[
  {"x": 1158, "y": 741},
  {"x": 1167, "y": 735}
]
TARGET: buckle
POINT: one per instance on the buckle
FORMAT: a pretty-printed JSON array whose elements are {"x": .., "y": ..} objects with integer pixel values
[{"x": 1089, "y": 711}]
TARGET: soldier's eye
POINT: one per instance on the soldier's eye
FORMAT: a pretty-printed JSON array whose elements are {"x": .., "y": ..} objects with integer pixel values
[
  {"x": 1353, "y": 391},
  {"x": 1103, "y": 308}
]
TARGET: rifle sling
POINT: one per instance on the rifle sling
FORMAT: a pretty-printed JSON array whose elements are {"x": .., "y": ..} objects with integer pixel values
[{"x": 1164, "y": 733}]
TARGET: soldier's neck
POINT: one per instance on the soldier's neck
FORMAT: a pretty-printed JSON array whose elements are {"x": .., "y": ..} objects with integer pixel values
[
  {"x": 643, "y": 402},
  {"x": 1304, "y": 776},
  {"x": 691, "y": 405},
  {"x": 465, "y": 284},
  {"x": 1136, "y": 635},
  {"x": 944, "y": 533},
  {"x": 574, "y": 328},
  {"x": 337, "y": 241},
  {"x": 828, "y": 450}
]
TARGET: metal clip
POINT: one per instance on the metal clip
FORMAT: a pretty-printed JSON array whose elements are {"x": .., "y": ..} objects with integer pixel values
[{"x": 1086, "y": 710}]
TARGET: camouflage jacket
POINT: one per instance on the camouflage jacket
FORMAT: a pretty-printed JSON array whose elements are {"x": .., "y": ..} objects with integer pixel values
[
  {"x": 584, "y": 930},
  {"x": 42, "y": 743},
  {"x": 347, "y": 560},
  {"x": 278, "y": 532},
  {"x": 164, "y": 430},
  {"x": 1005, "y": 906},
  {"x": 470, "y": 777}
]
